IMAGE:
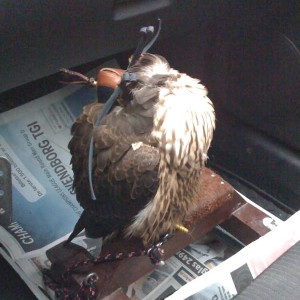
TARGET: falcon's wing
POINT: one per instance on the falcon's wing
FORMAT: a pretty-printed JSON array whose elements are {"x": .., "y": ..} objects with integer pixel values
[{"x": 125, "y": 168}]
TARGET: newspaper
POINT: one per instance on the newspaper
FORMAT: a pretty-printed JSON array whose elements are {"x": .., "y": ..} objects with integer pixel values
[
  {"x": 34, "y": 138},
  {"x": 187, "y": 264},
  {"x": 192, "y": 262},
  {"x": 233, "y": 275}
]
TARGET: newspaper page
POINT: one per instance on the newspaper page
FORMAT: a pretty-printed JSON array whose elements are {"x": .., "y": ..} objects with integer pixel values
[
  {"x": 233, "y": 275},
  {"x": 189, "y": 263},
  {"x": 34, "y": 138}
]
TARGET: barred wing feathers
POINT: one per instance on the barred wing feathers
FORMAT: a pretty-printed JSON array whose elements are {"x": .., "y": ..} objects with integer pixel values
[{"x": 125, "y": 168}]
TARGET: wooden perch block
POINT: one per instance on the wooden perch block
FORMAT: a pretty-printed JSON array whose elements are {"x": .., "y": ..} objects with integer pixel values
[{"x": 215, "y": 202}]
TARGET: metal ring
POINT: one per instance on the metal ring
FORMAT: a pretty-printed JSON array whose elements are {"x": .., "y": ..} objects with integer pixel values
[{"x": 90, "y": 279}]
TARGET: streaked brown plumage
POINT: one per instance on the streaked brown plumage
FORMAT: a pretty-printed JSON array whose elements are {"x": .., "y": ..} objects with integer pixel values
[{"x": 148, "y": 154}]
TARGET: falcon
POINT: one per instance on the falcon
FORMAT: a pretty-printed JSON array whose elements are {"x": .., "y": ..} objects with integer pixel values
[{"x": 148, "y": 152}]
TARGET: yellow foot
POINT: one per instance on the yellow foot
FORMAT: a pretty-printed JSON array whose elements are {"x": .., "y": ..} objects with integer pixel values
[{"x": 182, "y": 228}]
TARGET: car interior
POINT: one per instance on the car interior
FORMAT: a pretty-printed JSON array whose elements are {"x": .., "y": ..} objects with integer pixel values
[{"x": 245, "y": 52}]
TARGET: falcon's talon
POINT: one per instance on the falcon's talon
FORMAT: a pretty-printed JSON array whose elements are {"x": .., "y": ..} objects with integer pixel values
[{"x": 182, "y": 228}]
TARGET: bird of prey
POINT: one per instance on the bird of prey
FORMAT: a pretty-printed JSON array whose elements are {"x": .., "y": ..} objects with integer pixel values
[{"x": 148, "y": 152}]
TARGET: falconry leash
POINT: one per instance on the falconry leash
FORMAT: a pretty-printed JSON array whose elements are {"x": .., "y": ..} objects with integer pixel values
[{"x": 63, "y": 286}]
